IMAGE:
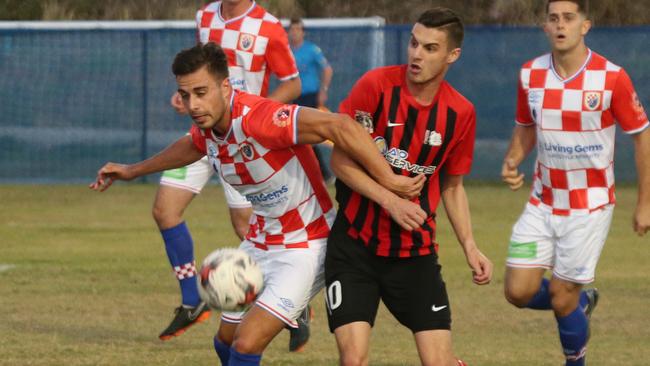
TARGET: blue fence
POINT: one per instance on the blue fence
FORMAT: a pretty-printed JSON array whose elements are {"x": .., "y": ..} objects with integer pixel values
[{"x": 72, "y": 99}]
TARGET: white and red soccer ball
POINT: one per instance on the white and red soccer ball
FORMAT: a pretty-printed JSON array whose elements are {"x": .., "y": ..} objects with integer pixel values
[{"x": 230, "y": 280}]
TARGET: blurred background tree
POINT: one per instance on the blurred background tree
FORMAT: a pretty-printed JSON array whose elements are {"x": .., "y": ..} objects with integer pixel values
[{"x": 506, "y": 12}]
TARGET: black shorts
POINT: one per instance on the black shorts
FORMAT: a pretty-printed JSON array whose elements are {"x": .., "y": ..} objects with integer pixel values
[{"x": 356, "y": 279}]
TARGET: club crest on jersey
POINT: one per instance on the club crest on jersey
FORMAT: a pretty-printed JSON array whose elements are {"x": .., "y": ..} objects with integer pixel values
[
  {"x": 365, "y": 119},
  {"x": 432, "y": 138},
  {"x": 247, "y": 150},
  {"x": 281, "y": 116},
  {"x": 592, "y": 100},
  {"x": 246, "y": 41}
]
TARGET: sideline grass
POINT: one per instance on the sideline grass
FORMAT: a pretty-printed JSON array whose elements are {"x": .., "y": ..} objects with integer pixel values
[{"x": 90, "y": 285}]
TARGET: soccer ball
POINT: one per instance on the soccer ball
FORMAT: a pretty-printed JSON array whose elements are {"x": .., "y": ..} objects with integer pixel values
[{"x": 230, "y": 280}]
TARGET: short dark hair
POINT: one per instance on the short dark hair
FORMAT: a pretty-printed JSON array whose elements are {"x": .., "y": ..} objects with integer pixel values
[
  {"x": 583, "y": 5},
  {"x": 447, "y": 21},
  {"x": 192, "y": 59},
  {"x": 296, "y": 20}
]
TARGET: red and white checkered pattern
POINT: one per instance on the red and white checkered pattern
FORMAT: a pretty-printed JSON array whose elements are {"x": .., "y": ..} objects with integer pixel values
[
  {"x": 187, "y": 270},
  {"x": 576, "y": 120},
  {"x": 259, "y": 157},
  {"x": 255, "y": 44}
]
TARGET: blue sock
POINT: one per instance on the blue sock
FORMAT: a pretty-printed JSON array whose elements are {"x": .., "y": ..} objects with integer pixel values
[
  {"x": 223, "y": 351},
  {"x": 240, "y": 359},
  {"x": 542, "y": 299},
  {"x": 583, "y": 300},
  {"x": 573, "y": 336},
  {"x": 180, "y": 251}
]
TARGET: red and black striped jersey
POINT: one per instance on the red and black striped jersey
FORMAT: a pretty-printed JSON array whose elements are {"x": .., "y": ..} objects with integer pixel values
[{"x": 430, "y": 139}]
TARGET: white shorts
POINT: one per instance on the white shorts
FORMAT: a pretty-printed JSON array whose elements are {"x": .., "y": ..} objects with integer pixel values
[
  {"x": 292, "y": 277},
  {"x": 570, "y": 245},
  {"x": 195, "y": 176}
]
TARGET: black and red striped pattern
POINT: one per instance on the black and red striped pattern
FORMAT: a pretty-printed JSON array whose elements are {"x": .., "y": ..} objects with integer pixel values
[{"x": 406, "y": 127}]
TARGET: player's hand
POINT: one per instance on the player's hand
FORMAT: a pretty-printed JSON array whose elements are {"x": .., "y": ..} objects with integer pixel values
[
  {"x": 511, "y": 176},
  {"x": 177, "y": 103},
  {"x": 481, "y": 266},
  {"x": 406, "y": 187},
  {"x": 108, "y": 173},
  {"x": 641, "y": 220},
  {"x": 409, "y": 215}
]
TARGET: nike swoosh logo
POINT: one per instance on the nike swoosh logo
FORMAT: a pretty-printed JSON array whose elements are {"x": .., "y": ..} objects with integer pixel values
[
  {"x": 391, "y": 124},
  {"x": 438, "y": 308},
  {"x": 193, "y": 315}
]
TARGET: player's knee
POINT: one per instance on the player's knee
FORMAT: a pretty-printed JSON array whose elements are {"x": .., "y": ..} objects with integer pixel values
[
  {"x": 246, "y": 346},
  {"x": 165, "y": 217},
  {"x": 563, "y": 303},
  {"x": 518, "y": 296},
  {"x": 354, "y": 359}
]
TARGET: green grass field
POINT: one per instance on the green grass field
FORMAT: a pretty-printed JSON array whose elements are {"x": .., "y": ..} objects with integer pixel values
[{"x": 84, "y": 280}]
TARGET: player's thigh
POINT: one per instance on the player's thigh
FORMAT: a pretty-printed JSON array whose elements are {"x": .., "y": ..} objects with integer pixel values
[
  {"x": 579, "y": 247},
  {"x": 256, "y": 331},
  {"x": 532, "y": 241},
  {"x": 192, "y": 177},
  {"x": 351, "y": 287},
  {"x": 291, "y": 278},
  {"x": 414, "y": 292},
  {"x": 435, "y": 348},
  {"x": 353, "y": 342}
]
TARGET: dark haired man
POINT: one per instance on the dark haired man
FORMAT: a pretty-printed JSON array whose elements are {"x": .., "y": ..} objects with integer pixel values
[
  {"x": 568, "y": 104},
  {"x": 260, "y": 147},
  {"x": 256, "y": 46},
  {"x": 422, "y": 126}
]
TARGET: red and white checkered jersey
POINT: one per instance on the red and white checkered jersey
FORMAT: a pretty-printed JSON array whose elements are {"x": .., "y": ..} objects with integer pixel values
[
  {"x": 255, "y": 44},
  {"x": 259, "y": 157},
  {"x": 576, "y": 122}
]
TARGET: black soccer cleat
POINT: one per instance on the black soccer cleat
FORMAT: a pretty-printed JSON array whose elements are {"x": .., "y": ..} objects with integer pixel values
[
  {"x": 592, "y": 301},
  {"x": 185, "y": 317},
  {"x": 299, "y": 336}
]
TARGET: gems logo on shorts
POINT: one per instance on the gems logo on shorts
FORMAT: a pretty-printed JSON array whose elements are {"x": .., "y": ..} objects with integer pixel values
[{"x": 281, "y": 116}]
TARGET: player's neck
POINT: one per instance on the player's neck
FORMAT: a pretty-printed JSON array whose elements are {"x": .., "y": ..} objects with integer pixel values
[
  {"x": 568, "y": 63},
  {"x": 229, "y": 11},
  {"x": 425, "y": 93}
]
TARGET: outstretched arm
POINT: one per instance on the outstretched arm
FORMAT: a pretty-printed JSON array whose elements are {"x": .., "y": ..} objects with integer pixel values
[
  {"x": 178, "y": 154},
  {"x": 407, "y": 214},
  {"x": 457, "y": 207},
  {"x": 641, "y": 222},
  {"x": 347, "y": 135},
  {"x": 521, "y": 144}
]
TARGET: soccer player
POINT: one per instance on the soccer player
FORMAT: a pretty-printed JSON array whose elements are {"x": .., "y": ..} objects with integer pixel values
[
  {"x": 259, "y": 146},
  {"x": 256, "y": 45},
  {"x": 568, "y": 104},
  {"x": 421, "y": 125},
  {"x": 315, "y": 76}
]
